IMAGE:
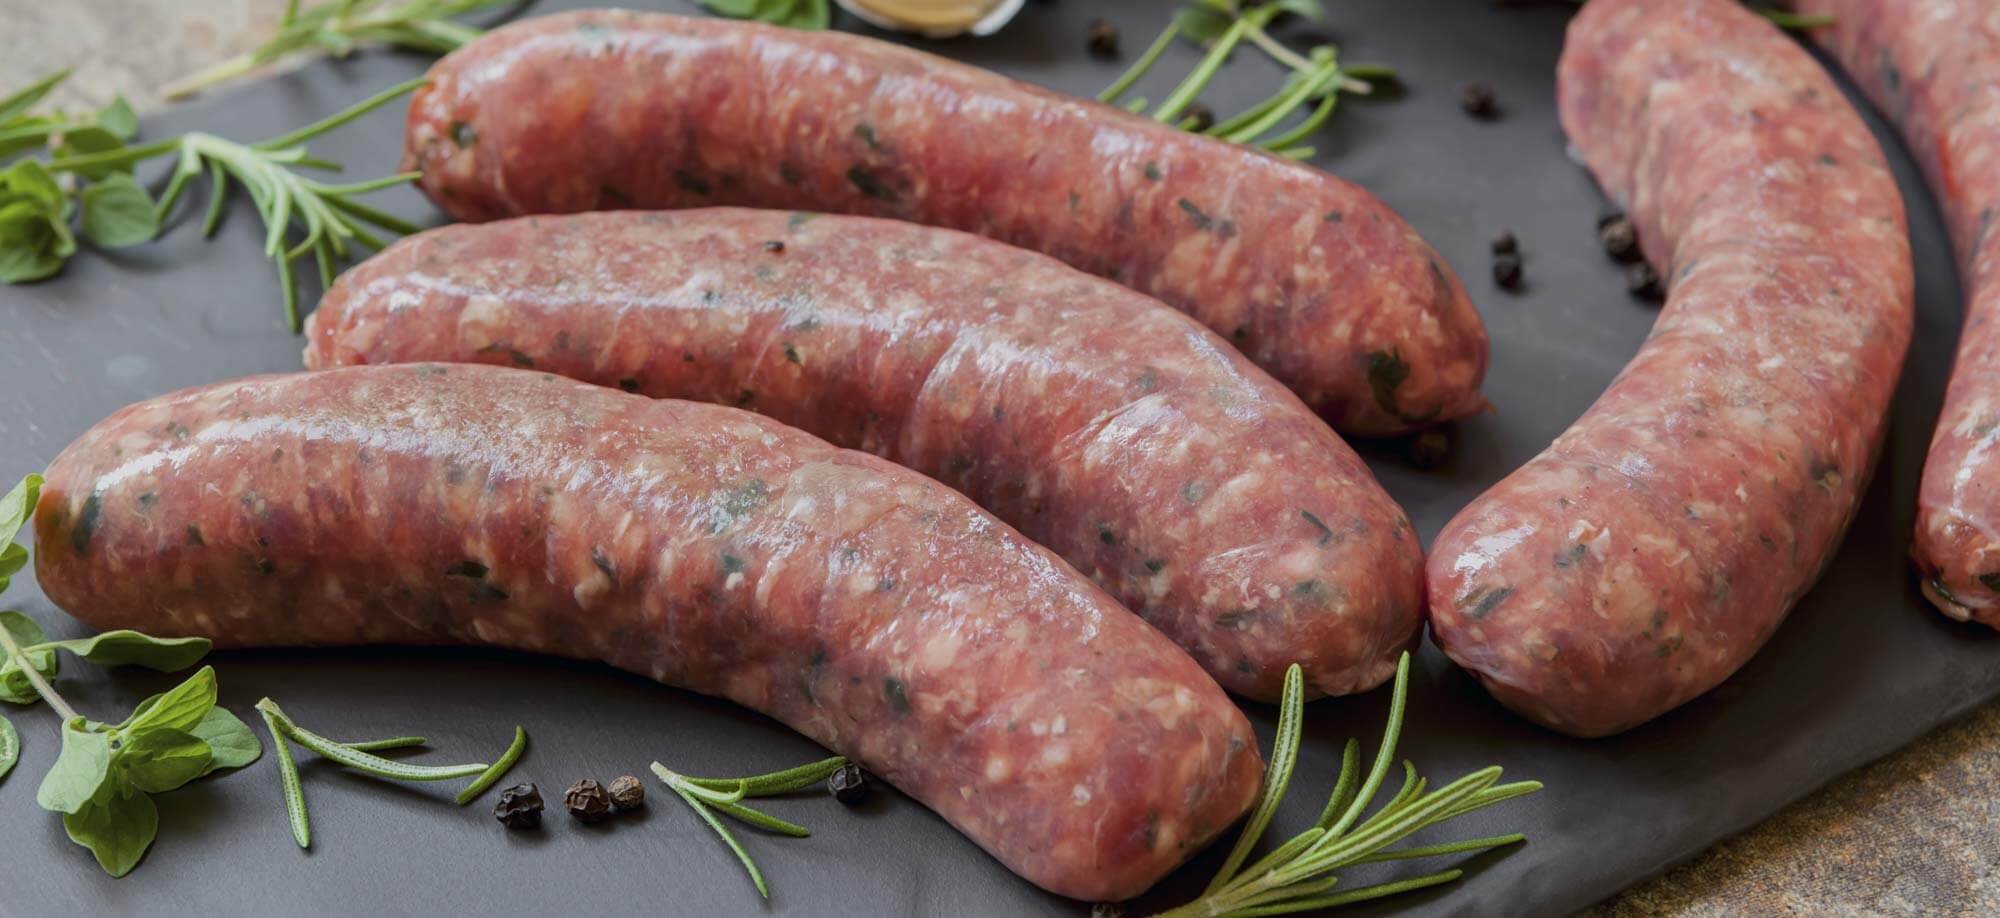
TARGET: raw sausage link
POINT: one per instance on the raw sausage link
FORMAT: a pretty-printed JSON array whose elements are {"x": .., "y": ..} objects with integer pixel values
[
  {"x": 863, "y": 605},
  {"x": 1118, "y": 432},
  {"x": 1312, "y": 277},
  {"x": 1934, "y": 67},
  {"x": 1658, "y": 542}
]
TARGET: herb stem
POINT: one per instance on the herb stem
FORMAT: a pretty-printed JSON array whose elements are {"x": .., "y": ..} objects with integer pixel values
[
  {"x": 1142, "y": 65},
  {"x": 288, "y": 779},
  {"x": 678, "y": 785},
  {"x": 1277, "y": 49},
  {"x": 42, "y": 686},
  {"x": 1299, "y": 875},
  {"x": 1184, "y": 94},
  {"x": 499, "y": 768},
  {"x": 362, "y": 761},
  {"x": 393, "y": 742}
]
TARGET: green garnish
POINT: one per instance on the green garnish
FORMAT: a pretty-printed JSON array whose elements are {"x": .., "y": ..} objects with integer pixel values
[
  {"x": 38, "y": 211},
  {"x": 358, "y": 757},
  {"x": 35, "y": 209},
  {"x": 337, "y": 27},
  {"x": 1222, "y": 26},
  {"x": 1298, "y": 876},
  {"x": 798, "y": 14},
  {"x": 727, "y": 794},
  {"x": 493, "y": 773},
  {"x": 104, "y": 778}
]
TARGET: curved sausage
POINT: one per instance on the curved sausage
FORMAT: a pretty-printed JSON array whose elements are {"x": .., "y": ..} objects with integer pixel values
[
  {"x": 1649, "y": 551},
  {"x": 857, "y": 602},
  {"x": 1121, "y": 434},
  {"x": 1934, "y": 67},
  {"x": 1316, "y": 280}
]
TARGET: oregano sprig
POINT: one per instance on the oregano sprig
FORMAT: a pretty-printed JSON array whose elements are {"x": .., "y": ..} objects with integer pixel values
[
  {"x": 360, "y": 757},
  {"x": 104, "y": 778},
  {"x": 1299, "y": 875},
  {"x": 703, "y": 795}
]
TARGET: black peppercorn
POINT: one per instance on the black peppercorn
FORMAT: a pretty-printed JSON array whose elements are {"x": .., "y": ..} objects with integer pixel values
[
  {"x": 849, "y": 784},
  {"x": 1102, "y": 39},
  {"x": 1430, "y": 449},
  {"x": 1619, "y": 239},
  {"x": 1643, "y": 282},
  {"x": 1477, "y": 100},
  {"x": 775, "y": 247},
  {"x": 1505, "y": 244},
  {"x": 1507, "y": 270},
  {"x": 1200, "y": 117},
  {"x": 520, "y": 807},
  {"x": 627, "y": 793},
  {"x": 587, "y": 801}
]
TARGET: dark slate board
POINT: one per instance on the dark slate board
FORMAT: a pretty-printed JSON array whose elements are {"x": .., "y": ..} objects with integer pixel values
[{"x": 1861, "y": 668}]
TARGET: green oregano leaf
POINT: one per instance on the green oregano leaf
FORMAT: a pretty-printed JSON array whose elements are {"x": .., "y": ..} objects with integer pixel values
[
  {"x": 118, "y": 213},
  {"x": 81, "y": 770},
  {"x": 117, "y": 825},
  {"x": 131, "y": 648},
  {"x": 10, "y": 747},
  {"x": 14, "y": 685},
  {"x": 161, "y": 759},
  {"x": 231, "y": 744},
  {"x": 180, "y": 708}
]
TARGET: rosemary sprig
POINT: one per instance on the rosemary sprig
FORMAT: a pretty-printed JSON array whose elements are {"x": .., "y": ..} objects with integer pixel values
[
  {"x": 337, "y": 27},
  {"x": 726, "y": 794},
  {"x": 328, "y": 213},
  {"x": 358, "y": 757},
  {"x": 1298, "y": 875},
  {"x": 1223, "y": 26}
]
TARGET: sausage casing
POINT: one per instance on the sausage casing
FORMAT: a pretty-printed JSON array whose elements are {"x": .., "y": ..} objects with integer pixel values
[
  {"x": 1648, "y": 552},
  {"x": 1121, "y": 434},
  {"x": 863, "y": 605},
  {"x": 1934, "y": 67},
  {"x": 1313, "y": 278}
]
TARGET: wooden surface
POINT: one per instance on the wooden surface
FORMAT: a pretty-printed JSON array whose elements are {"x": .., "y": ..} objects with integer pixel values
[{"x": 1917, "y": 833}]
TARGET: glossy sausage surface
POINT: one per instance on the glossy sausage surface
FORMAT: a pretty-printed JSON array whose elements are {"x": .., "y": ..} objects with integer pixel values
[
  {"x": 1934, "y": 68},
  {"x": 1116, "y": 431},
  {"x": 865, "y": 606},
  {"x": 1648, "y": 552},
  {"x": 1313, "y": 278}
]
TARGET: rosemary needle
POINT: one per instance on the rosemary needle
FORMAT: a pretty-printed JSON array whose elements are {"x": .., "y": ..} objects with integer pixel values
[
  {"x": 1299, "y": 874},
  {"x": 492, "y": 774},
  {"x": 705, "y": 795}
]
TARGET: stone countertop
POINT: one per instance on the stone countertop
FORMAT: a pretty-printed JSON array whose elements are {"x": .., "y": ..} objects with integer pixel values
[{"x": 1916, "y": 833}]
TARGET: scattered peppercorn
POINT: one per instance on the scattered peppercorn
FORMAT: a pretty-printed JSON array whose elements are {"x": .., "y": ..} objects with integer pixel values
[
  {"x": 775, "y": 247},
  {"x": 1619, "y": 239},
  {"x": 1505, "y": 244},
  {"x": 848, "y": 784},
  {"x": 1477, "y": 100},
  {"x": 1200, "y": 117},
  {"x": 627, "y": 793},
  {"x": 1102, "y": 39},
  {"x": 587, "y": 801},
  {"x": 1107, "y": 910},
  {"x": 1643, "y": 282},
  {"x": 1430, "y": 449},
  {"x": 520, "y": 807},
  {"x": 1507, "y": 270}
]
